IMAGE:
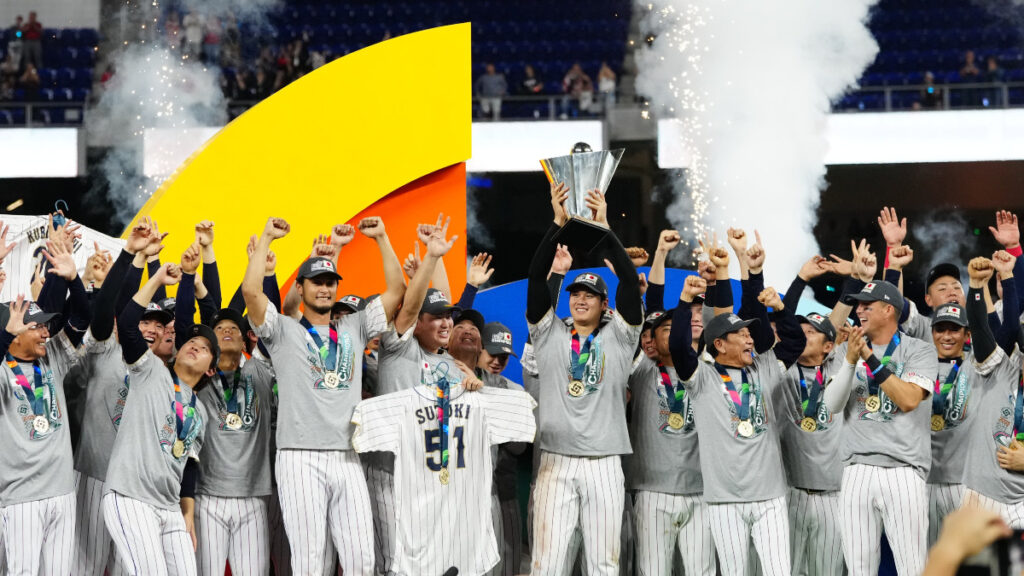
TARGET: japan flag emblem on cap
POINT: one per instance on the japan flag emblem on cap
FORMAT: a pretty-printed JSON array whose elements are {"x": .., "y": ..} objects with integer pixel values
[
  {"x": 323, "y": 266},
  {"x": 350, "y": 300},
  {"x": 733, "y": 319},
  {"x": 869, "y": 286},
  {"x": 815, "y": 317},
  {"x": 954, "y": 310},
  {"x": 437, "y": 297},
  {"x": 590, "y": 278},
  {"x": 502, "y": 338}
]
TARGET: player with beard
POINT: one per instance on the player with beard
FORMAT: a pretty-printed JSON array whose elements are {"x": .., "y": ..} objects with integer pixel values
[
  {"x": 412, "y": 353},
  {"x": 319, "y": 372}
]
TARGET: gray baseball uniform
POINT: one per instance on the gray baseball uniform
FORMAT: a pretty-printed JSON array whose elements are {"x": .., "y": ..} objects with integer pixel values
[
  {"x": 36, "y": 477},
  {"x": 580, "y": 481},
  {"x": 665, "y": 472},
  {"x": 951, "y": 436},
  {"x": 996, "y": 389},
  {"x": 234, "y": 482},
  {"x": 812, "y": 460},
  {"x": 106, "y": 377},
  {"x": 887, "y": 456},
  {"x": 321, "y": 484},
  {"x": 141, "y": 502}
]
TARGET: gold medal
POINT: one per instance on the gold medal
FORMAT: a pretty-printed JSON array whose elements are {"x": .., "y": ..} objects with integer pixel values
[
  {"x": 332, "y": 380},
  {"x": 745, "y": 429},
  {"x": 445, "y": 476},
  {"x": 873, "y": 403},
  {"x": 41, "y": 424},
  {"x": 233, "y": 421},
  {"x": 178, "y": 449},
  {"x": 576, "y": 388},
  {"x": 938, "y": 422},
  {"x": 808, "y": 424},
  {"x": 675, "y": 420}
]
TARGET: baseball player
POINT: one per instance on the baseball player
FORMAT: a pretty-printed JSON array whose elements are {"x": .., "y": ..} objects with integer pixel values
[
  {"x": 36, "y": 479},
  {"x": 583, "y": 373},
  {"x": 994, "y": 466},
  {"x": 153, "y": 463},
  {"x": 413, "y": 351},
  {"x": 319, "y": 374},
  {"x": 881, "y": 376},
  {"x": 234, "y": 474},
  {"x": 106, "y": 393},
  {"x": 733, "y": 413},
  {"x": 442, "y": 436}
]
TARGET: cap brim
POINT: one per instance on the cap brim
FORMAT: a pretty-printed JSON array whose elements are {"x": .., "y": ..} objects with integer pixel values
[
  {"x": 42, "y": 318},
  {"x": 495, "y": 349},
  {"x": 957, "y": 321},
  {"x": 944, "y": 269},
  {"x": 581, "y": 286},
  {"x": 334, "y": 275},
  {"x": 737, "y": 327},
  {"x": 160, "y": 315}
]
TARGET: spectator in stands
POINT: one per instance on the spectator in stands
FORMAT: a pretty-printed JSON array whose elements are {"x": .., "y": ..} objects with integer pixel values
[
  {"x": 300, "y": 57},
  {"x": 172, "y": 31},
  {"x": 993, "y": 72},
  {"x": 211, "y": 41},
  {"x": 606, "y": 86},
  {"x": 579, "y": 91},
  {"x": 6, "y": 90},
  {"x": 9, "y": 67},
  {"x": 231, "y": 44},
  {"x": 32, "y": 35},
  {"x": 15, "y": 42},
  {"x": 267, "y": 62},
  {"x": 263, "y": 86},
  {"x": 29, "y": 82},
  {"x": 969, "y": 72},
  {"x": 531, "y": 84},
  {"x": 245, "y": 85},
  {"x": 193, "y": 25},
  {"x": 931, "y": 95},
  {"x": 490, "y": 88}
]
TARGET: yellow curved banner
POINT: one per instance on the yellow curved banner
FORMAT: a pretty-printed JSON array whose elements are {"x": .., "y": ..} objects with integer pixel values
[{"x": 324, "y": 148}]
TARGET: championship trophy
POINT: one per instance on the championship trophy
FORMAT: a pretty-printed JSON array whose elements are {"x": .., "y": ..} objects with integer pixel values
[{"x": 581, "y": 171}]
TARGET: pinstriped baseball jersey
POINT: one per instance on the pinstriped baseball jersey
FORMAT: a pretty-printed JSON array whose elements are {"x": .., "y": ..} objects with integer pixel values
[
  {"x": 950, "y": 445},
  {"x": 236, "y": 463},
  {"x": 312, "y": 416},
  {"x": 995, "y": 395},
  {"x": 812, "y": 459},
  {"x": 593, "y": 424},
  {"x": 105, "y": 397},
  {"x": 890, "y": 437},
  {"x": 742, "y": 469},
  {"x": 36, "y": 465},
  {"x": 664, "y": 459},
  {"x": 142, "y": 466},
  {"x": 439, "y": 525}
]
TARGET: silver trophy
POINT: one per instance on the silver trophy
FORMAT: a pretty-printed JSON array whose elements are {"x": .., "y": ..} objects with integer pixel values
[{"x": 581, "y": 171}]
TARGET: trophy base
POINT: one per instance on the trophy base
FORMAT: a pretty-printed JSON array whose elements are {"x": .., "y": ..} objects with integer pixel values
[{"x": 580, "y": 233}]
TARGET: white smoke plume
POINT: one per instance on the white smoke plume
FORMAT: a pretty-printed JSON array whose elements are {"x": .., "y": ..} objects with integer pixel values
[
  {"x": 752, "y": 84},
  {"x": 945, "y": 234}
]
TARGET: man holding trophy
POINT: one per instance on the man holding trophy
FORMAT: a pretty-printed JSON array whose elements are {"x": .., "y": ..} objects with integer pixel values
[{"x": 583, "y": 372}]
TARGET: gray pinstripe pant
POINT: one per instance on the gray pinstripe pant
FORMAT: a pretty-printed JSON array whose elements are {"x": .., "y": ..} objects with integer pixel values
[
  {"x": 815, "y": 536},
  {"x": 666, "y": 523},
  {"x": 235, "y": 530},
  {"x": 40, "y": 535},
  {"x": 735, "y": 526}
]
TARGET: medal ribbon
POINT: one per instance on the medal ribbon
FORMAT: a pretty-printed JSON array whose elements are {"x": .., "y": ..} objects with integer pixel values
[
  {"x": 328, "y": 351},
  {"x": 810, "y": 400},
  {"x": 231, "y": 394},
  {"x": 34, "y": 394},
  {"x": 1018, "y": 411},
  {"x": 580, "y": 354},
  {"x": 184, "y": 416},
  {"x": 740, "y": 399},
  {"x": 443, "y": 409},
  {"x": 675, "y": 394},
  {"x": 886, "y": 358},
  {"x": 942, "y": 389}
]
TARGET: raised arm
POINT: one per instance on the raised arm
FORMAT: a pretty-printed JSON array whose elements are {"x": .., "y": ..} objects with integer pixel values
[
  {"x": 437, "y": 247},
  {"x": 559, "y": 268},
  {"x": 62, "y": 265},
  {"x": 857, "y": 271},
  {"x": 1007, "y": 233},
  {"x": 185, "y": 304},
  {"x": 751, "y": 304},
  {"x": 792, "y": 339},
  {"x": 813, "y": 268},
  {"x": 538, "y": 295},
  {"x": 373, "y": 228},
  {"x": 628, "y": 301},
  {"x": 480, "y": 271},
  {"x": 680, "y": 340},
  {"x": 1006, "y": 334},
  {"x": 718, "y": 258},
  {"x": 133, "y": 345},
  {"x": 979, "y": 270},
  {"x": 211, "y": 275},
  {"x": 667, "y": 241},
  {"x": 252, "y": 284}
]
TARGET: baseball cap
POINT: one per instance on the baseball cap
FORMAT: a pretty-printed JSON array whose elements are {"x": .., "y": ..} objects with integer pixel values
[
  {"x": 952, "y": 313},
  {"x": 497, "y": 339},
  {"x": 155, "y": 311},
  {"x": 661, "y": 318},
  {"x": 590, "y": 282},
  {"x": 350, "y": 302},
  {"x": 472, "y": 315},
  {"x": 32, "y": 314},
  {"x": 204, "y": 331},
  {"x": 880, "y": 291},
  {"x": 230, "y": 315},
  {"x": 821, "y": 324},
  {"x": 944, "y": 269},
  {"x": 436, "y": 303},
  {"x": 724, "y": 324},
  {"x": 168, "y": 304},
  {"x": 318, "y": 266},
  {"x": 651, "y": 317}
]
